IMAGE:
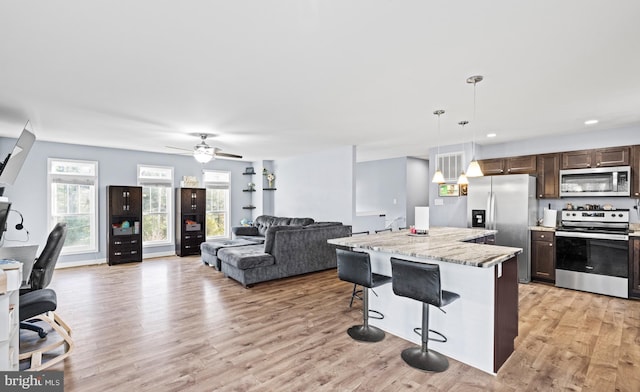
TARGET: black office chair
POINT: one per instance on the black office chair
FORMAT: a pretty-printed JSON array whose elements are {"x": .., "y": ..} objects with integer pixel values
[
  {"x": 42, "y": 271},
  {"x": 421, "y": 281},
  {"x": 355, "y": 267},
  {"x": 37, "y": 303}
]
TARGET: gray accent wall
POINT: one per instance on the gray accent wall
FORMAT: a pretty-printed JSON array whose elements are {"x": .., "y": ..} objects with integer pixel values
[
  {"x": 418, "y": 181},
  {"x": 116, "y": 167}
]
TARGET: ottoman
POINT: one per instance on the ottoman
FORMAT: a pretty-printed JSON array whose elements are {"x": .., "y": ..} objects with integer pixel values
[{"x": 209, "y": 249}]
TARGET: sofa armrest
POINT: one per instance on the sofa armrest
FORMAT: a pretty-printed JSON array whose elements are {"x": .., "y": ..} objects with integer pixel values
[{"x": 245, "y": 230}]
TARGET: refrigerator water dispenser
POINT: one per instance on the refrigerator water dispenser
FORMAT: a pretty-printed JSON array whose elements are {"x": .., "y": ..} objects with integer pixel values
[{"x": 477, "y": 218}]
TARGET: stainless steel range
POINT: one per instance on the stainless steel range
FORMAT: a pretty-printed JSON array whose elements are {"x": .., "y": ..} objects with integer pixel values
[{"x": 592, "y": 251}]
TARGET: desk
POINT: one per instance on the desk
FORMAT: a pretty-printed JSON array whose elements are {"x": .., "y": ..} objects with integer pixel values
[
  {"x": 483, "y": 323},
  {"x": 10, "y": 282}
]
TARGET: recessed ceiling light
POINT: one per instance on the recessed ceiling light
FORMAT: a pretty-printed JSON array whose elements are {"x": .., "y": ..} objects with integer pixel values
[
  {"x": 590, "y": 122},
  {"x": 491, "y": 135}
]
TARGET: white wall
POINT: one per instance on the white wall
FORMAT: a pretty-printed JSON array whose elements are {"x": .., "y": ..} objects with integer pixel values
[{"x": 318, "y": 185}]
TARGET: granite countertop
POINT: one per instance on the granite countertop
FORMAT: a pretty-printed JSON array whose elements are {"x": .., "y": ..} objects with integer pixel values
[
  {"x": 443, "y": 244},
  {"x": 542, "y": 228}
]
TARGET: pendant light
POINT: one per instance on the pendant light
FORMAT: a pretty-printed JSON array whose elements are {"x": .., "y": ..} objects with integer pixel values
[
  {"x": 474, "y": 168},
  {"x": 438, "y": 178},
  {"x": 462, "y": 179}
]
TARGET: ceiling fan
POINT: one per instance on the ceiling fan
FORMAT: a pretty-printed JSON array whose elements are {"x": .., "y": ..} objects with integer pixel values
[{"x": 203, "y": 152}]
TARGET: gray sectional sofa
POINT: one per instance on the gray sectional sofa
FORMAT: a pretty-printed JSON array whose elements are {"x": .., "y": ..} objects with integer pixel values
[{"x": 291, "y": 246}]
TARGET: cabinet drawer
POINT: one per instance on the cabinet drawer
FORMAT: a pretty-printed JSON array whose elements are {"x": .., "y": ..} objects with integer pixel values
[
  {"x": 542, "y": 236},
  {"x": 194, "y": 237}
]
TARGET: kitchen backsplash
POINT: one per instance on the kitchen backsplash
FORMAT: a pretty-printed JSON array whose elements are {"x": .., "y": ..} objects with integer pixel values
[{"x": 616, "y": 202}]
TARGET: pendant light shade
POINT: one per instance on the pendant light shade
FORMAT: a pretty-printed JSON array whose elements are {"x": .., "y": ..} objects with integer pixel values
[
  {"x": 438, "y": 178},
  {"x": 462, "y": 179},
  {"x": 474, "y": 168}
]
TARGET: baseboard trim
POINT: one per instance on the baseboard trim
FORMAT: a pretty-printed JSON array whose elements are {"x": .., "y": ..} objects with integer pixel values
[{"x": 84, "y": 263}]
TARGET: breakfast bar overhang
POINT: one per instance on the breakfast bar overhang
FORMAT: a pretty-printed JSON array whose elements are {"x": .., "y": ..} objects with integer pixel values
[{"x": 482, "y": 325}]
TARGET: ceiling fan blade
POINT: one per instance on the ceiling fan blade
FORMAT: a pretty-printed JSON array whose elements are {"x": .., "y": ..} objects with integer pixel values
[
  {"x": 224, "y": 154},
  {"x": 178, "y": 148}
]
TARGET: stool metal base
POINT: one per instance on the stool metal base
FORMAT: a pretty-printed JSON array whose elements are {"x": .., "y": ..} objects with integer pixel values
[
  {"x": 430, "y": 361},
  {"x": 366, "y": 333}
]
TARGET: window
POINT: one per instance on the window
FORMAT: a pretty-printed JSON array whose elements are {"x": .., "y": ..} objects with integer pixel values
[
  {"x": 73, "y": 187},
  {"x": 451, "y": 165},
  {"x": 157, "y": 202},
  {"x": 217, "y": 184}
]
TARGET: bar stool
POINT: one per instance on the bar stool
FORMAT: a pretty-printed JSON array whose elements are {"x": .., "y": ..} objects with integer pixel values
[
  {"x": 421, "y": 281},
  {"x": 356, "y": 291},
  {"x": 355, "y": 267}
]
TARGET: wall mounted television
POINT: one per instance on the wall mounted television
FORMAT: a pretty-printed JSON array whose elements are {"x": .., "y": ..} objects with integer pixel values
[{"x": 12, "y": 164}]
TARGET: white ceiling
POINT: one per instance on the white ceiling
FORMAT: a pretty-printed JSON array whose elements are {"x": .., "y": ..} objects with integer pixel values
[{"x": 276, "y": 78}]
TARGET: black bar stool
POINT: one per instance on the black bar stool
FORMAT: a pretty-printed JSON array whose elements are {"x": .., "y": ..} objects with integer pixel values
[
  {"x": 355, "y": 267},
  {"x": 421, "y": 281},
  {"x": 356, "y": 291}
]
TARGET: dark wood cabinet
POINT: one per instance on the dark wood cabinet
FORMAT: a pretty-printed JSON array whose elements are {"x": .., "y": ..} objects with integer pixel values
[
  {"x": 124, "y": 219},
  {"x": 513, "y": 165},
  {"x": 634, "y": 267},
  {"x": 521, "y": 165},
  {"x": 548, "y": 177},
  {"x": 492, "y": 167},
  {"x": 601, "y": 157},
  {"x": 635, "y": 171},
  {"x": 543, "y": 256},
  {"x": 190, "y": 220}
]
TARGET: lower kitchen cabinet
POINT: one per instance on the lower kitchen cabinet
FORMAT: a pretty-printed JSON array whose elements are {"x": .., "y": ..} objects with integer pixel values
[
  {"x": 543, "y": 256},
  {"x": 634, "y": 267}
]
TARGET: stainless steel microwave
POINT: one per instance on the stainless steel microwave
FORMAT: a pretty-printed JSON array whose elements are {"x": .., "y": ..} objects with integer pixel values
[{"x": 602, "y": 181}]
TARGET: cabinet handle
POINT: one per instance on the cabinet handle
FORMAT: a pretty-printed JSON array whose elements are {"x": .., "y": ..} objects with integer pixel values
[
  {"x": 541, "y": 235},
  {"x": 540, "y": 196},
  {"x": 550, "y": 244},
  {"x": 598, "y": 164}
]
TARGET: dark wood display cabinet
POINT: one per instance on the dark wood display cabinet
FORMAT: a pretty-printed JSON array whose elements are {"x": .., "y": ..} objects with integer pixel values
[
  {"x": 190, "y": 220},
  {"x": 124, "y": 219},
  {"x": 634, "y": 267},
  {"x": 543, "y": 256}
]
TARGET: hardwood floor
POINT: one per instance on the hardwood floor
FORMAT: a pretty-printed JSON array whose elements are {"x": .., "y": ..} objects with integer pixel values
[{"x": 173, "y": 324}]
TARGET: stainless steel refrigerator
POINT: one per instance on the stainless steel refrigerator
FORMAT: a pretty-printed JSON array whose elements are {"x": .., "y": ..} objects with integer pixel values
[{"x": 506, "y": 203}]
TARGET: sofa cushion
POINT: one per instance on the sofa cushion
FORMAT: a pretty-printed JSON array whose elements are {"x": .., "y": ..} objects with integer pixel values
[
  {"x": 245, "y": 230},
  {"x": 300, "y": 221},
  {"x": 271, "y": 235},
  {"x": 246, "y": 257},
  {"x": 322, "y": 224}
]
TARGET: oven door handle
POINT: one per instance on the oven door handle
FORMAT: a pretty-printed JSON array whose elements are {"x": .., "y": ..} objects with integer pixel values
[{"x": 596, "y": 236}]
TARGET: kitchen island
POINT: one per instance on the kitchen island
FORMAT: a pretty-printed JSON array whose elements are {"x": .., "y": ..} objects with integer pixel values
[{"x": 482, "y": 324}]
